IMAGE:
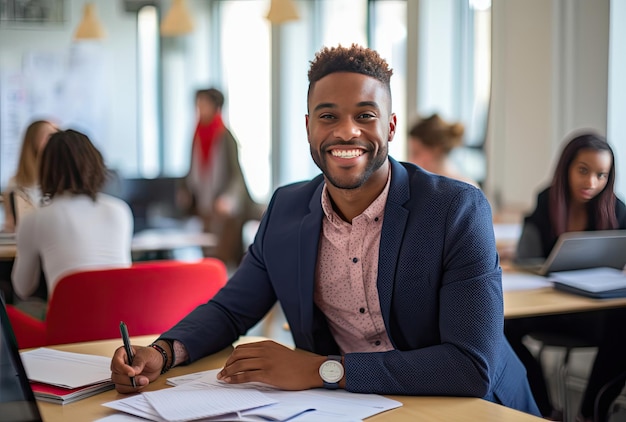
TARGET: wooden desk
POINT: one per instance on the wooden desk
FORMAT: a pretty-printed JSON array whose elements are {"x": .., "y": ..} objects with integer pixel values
[
  {"x": 7, "y": 252},
  {"x": 546, "y": 301},
  {"x": 442, "y": 409}
]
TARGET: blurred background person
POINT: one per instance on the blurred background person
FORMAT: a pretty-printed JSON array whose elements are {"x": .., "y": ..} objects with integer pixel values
[
  {"x": 219, "y": 194},
  {"x": 22, "y": 192},
  {"x": 430, "y": 142},
  {"x": 94, "y": 229}
]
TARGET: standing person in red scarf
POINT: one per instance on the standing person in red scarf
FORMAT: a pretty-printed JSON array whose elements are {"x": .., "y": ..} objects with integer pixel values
[{"x": 216, "y": 181}]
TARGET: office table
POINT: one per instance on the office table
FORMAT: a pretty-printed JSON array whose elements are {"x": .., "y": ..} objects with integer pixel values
[
  {"x": 546, "y": 301},
  {"x": 146, "y": 241},
  {"x": 442, "y": 409},
  {"x": 170, "y": 244},
  {"x": 7, "y": 252}
]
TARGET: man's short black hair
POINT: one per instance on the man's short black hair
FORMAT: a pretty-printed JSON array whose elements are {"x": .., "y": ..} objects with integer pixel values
[{"x": 356, "y": 59}]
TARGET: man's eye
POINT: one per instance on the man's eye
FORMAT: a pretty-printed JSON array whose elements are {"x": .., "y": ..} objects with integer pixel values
[{"x": 366, "y": 116}]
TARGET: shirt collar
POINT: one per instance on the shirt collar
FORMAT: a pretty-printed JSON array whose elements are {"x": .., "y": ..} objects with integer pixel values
[{"x": 375, "y": 209}]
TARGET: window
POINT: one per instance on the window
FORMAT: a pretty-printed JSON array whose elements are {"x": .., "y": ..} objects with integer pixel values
[
  {"x": 389, "y": 38},
  {"x": 149, "y": 144},
  {"x": 263, "y": 73},
  {"x": 245, "y": 65}
]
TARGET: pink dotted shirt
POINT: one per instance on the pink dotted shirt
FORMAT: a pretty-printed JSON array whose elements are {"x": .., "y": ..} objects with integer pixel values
[{"x": 347, "y": 271}]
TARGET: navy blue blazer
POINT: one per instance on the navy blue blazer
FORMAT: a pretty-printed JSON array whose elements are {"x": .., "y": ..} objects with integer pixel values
[{"x": 439, "y": 284}]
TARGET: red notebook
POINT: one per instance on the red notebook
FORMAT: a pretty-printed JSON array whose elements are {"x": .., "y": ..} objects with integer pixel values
[
  {"x": 60, "y": 395},
  {"x": 63, "y": 377}
]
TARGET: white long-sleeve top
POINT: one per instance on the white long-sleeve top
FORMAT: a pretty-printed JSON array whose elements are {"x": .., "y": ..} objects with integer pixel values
[{"x": 71, "y": 233}]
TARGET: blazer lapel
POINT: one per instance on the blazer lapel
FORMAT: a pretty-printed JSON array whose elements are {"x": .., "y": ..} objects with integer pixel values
[
  {"x": 392, "y": 236},
  {"x": 307, "y": 259}
]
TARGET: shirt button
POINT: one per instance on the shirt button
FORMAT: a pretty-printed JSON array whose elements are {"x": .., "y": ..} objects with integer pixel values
[
  {"x": 377, "y": 342},
  {"x": 355, "y": 260},
  {"x": 376, "y": 219},
  {"x": 362, "y": 310}
]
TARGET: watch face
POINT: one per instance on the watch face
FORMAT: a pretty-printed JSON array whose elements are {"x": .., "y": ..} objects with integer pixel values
[{"x": 331, "y": 371}]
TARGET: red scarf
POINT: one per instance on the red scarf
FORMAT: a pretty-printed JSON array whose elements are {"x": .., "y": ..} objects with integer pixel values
[{"x": 206, "y": 136}]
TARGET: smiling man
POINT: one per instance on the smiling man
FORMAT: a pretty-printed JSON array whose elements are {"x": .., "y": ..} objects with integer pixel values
[{"x": 388, "y": 275}]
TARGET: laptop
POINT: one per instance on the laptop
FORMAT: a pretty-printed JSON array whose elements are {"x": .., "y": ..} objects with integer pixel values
[
  {"x": 581, "y": 250},
  {"x": 17, "y": 401}
]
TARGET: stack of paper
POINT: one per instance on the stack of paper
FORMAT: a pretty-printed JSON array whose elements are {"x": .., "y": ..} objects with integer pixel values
[
  {"x": 202, "y": 397},
  {"x": 523, "y": 281},
  {"x": 64, "y": 377}
]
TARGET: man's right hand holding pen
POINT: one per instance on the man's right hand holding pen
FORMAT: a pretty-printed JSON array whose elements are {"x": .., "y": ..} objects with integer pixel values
[{"x": 147, "y": 364}]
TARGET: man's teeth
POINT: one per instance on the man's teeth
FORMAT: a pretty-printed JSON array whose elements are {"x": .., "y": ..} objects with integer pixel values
[{"x": 347, "y": 153}]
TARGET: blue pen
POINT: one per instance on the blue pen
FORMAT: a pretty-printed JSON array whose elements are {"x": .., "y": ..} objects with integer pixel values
[{"x": 129, "y": 350}]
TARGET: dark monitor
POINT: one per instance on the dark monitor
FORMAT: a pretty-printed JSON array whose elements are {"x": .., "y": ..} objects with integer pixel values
[
  {"x": 17, "y": 401},
  {"x": 152, "y": 201}
]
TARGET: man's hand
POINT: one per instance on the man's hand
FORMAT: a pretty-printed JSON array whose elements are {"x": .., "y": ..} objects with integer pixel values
[
  {"x": 273, "y": 364},
  {"x": 147, "y": 365}
]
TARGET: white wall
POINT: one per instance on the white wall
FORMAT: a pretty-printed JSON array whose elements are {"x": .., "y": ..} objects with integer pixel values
[
  {"x": 617, "y": 90},
  {"x": 120, "y": 73},
  {"x": 550, "y": 77}
]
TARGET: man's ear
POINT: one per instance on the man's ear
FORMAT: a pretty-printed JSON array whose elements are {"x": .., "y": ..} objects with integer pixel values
[
  {"x": 306, "y": 124},
  {"x": 393, "y": 121}
]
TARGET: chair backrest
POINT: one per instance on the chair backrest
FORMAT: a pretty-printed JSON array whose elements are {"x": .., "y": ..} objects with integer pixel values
[{"x": 150, "y": 297}]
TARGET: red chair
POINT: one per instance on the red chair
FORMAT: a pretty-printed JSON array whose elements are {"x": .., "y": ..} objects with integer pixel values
[{"x": 150, "y": 297}]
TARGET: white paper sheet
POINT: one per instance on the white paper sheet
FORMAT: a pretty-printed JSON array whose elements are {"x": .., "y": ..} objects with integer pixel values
[
  {"x": 65, "y": 369},
  {"x": 204, "y": 396},
  {"x": 523, "y": 281},
  {"x": 200, "y": 401}
]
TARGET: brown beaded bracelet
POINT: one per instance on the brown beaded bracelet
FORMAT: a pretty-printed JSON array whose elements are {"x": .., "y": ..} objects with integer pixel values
[
  {"x": 171, "y": 344},
  {"x": 164, "y": 369}
]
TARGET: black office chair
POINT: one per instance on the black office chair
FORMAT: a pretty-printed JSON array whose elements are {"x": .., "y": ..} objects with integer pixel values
[{"x": 12, "y": 206}]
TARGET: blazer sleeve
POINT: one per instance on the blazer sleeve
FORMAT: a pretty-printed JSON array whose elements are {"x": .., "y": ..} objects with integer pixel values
[
  {"x": 245, "y": 299},
  {"x": 467, "y": 350}
]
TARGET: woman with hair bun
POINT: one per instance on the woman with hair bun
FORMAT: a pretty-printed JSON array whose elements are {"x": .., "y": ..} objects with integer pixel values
[{"x": 430, "y": 142}]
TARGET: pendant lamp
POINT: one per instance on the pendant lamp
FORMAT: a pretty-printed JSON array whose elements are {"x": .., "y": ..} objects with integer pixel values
[
  {"x": 89, "y": 27},
  {"x": 282, "y": 11},
  {"x": 177, "y": 21}
]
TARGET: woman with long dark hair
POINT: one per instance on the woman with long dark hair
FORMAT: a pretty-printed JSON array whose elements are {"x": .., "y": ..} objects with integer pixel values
[
  {"x": 581, "y": 197},
  {"x": 77, "y": 226}
]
